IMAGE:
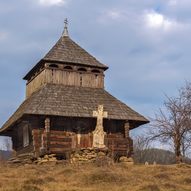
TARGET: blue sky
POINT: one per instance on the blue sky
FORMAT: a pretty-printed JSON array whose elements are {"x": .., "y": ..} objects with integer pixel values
[{"x": 146, "y": 45}]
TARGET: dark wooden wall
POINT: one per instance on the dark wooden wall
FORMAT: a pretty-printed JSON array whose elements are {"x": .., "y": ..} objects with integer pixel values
[
  {"x": 65, "y": 134},
  {"x": 17, "y": 138}
]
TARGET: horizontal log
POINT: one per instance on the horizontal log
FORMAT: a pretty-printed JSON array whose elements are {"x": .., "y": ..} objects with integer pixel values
[
  {"x": 60, "y": 146},
  {"x": 59, "y": 143},
  {"x": 116, "y": 139},
  {"x": 117, "y": 142},
  {"x": 62, "y": 133},
  {"x": 114, "y": 136},
  {"x": 36, "y": 132},
  {"x": 58, "y": 139},
  {"x": 57, "y": 136},
  {"x": 60, "y": 136},
  {"x": 59, "y": 150}
]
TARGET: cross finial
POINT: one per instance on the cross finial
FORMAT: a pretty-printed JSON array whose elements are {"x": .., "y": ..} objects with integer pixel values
[
  {"x": 65, "y": 33},
  {"x": 66, "y": 23}
]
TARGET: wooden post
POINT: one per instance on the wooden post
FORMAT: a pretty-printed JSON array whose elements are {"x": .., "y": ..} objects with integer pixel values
[
  {"x": 36, "y": 141},
  {"x": 127, "y": 127},
  {"x": 47, "y": 135},
  {"x": 47, "y": 125}
]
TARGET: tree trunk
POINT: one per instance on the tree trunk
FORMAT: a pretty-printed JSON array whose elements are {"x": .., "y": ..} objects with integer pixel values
[{"x": 178, "y": 151}]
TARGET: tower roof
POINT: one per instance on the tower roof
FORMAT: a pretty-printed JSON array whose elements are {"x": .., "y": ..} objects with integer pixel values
[{"x": 67, "y": 51}]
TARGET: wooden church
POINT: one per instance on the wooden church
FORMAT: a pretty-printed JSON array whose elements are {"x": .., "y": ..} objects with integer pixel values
[{"x": 67, "y": 108}]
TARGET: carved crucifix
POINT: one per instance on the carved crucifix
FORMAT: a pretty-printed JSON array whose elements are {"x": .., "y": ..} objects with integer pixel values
[{"x": 98, "y": 133}]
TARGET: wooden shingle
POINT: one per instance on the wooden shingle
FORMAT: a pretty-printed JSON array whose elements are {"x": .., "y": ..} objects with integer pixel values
[{"x": 70, "y": 101}]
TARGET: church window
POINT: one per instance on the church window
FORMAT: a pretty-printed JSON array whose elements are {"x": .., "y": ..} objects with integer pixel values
[
  {"x": 82, "y": 69},
  {"x": 53, "y": 65},
  {"x": 68, "y": 68},
  {"x": 96, "y": 79},
  {"x": 25, "y": 135},
  {"x": 95, "y": 71},
  {"x": 80, "y": 79}
]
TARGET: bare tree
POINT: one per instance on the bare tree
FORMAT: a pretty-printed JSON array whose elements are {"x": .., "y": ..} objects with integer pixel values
[
  {"x": 140, "y": 147},
  {"x": 174, "y": 123}
]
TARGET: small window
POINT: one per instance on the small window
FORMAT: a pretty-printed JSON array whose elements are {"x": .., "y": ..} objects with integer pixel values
[
  {"x": 25, "y": 135},
  {"x": 53, "y": 65},
  {"x": 96, "y": 79},
  {"x": 68, "y": 68},
  {"x": 82, "y": 69},
  {"x": 95, "y": 71},
  {"x": 80, "y": 80}
]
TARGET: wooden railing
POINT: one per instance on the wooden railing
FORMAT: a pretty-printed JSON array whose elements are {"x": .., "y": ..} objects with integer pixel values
[{"x": 59, "y": 142}]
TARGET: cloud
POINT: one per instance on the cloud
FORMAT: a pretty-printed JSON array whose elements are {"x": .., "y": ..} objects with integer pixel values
[
  {"x": 110, "y": 15},
  {"x": 52, "y": 2},
  {"x": 113, "y": 14},
  {"x": 159, "y": 21},
  {"x": 172, "y": 2},
  {"x": 3, "y": 36}
]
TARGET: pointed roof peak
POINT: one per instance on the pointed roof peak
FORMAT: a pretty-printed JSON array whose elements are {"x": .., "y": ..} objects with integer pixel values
[
  {"x": 65, "y": 32},
  {"x": 67, "y": 51}
]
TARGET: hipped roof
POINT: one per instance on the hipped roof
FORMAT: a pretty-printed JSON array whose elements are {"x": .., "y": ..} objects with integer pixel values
[
  {"x": 67, "y": 51},
  {"x": 70, "y": 101}
]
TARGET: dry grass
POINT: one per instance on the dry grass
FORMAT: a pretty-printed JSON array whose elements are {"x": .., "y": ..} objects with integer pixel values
[{"x": 89, "y": 177}]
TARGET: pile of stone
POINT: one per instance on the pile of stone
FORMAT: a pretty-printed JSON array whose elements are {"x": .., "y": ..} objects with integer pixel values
[
  {"x": 46, "y": 159},
  {"x": 126, "y": 161},
  {"x": 88, "y": 155},
  {"x": 27, "y": 158}
]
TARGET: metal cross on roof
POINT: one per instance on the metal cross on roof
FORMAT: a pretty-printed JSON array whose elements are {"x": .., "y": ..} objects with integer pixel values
[
  {"x": 65, "y": 33},
  {"x": 66, "y": 23}
]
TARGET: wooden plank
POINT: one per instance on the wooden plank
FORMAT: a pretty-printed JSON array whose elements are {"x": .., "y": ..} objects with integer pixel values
[
  {"x": 59, "y": 143},
  {"x": 59, "y": 150},
  {"x": 67, "y": 146},
  {"x": 64, "y": 139},
  {"x": 62, "y": 133}
]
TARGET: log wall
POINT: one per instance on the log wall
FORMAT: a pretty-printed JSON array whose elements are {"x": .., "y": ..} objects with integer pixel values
[
  {"x": 64, "y": 77},
  {"x": 16, "y": 134},
  {"x": 118, "y": 145},
  {"x": 36, "y": 83},
  {"x": 61, "y": 142}
]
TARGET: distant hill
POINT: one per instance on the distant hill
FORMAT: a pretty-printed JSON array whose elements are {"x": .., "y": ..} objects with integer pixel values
[
  {"x": 5, "y": 155},
  {"x": 159, "y": 156}
]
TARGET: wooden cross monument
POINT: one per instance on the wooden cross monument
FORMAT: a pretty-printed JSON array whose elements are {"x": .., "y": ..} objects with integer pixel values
[{"x": 98, "y": 133}]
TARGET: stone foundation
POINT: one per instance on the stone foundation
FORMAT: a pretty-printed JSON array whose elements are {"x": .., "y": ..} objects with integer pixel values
[
  {"x": 89, "y": 155},
  {"x": 126, "y": 160},
  {"x": 86, "y": 155}
]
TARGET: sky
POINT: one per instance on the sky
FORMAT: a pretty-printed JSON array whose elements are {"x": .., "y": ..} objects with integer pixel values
[{"x": 146, "y": 45}]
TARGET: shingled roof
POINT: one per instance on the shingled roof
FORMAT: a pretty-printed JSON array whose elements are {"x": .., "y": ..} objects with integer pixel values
[
  {"x": 67, "y": 51},
  {"x": 70, "y": 101}
]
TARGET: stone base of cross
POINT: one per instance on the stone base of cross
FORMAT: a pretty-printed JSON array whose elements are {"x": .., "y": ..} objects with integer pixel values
[{"x": 98, "y": 133}]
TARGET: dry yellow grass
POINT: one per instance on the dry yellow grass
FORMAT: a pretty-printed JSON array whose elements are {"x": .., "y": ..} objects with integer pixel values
[{"x": 89, "y": 177}]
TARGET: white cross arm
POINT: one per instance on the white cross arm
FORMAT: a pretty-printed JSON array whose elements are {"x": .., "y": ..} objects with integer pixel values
[
  {"x": 105, "y": 114},
  {"x": 95, "y": 113}
]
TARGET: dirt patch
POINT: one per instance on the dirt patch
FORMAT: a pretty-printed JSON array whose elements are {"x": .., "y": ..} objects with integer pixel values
[
  {"x": 101, "y": 177},
  {"x": 151, "y": 187}
]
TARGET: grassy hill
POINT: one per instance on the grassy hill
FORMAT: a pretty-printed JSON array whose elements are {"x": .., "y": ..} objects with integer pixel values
[{"x": 89, "y": 177}]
